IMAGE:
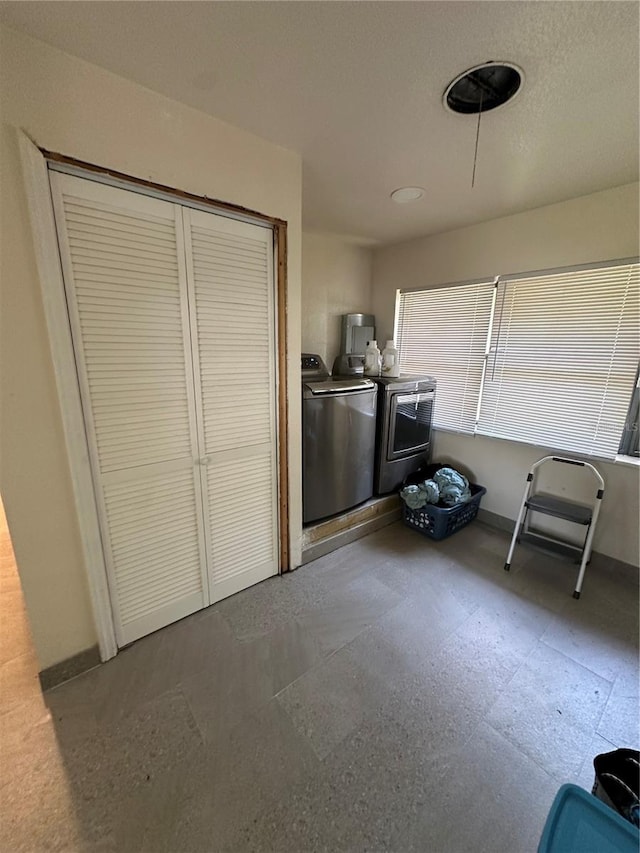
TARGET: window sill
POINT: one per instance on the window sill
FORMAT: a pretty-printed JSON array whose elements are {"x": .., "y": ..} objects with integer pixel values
[
  {"x": 620, "y": 459},
  {"x": 630, "y": 461}
]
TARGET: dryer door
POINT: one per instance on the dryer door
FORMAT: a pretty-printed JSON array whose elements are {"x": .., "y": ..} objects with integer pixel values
[{"x": 410, "y": 415}]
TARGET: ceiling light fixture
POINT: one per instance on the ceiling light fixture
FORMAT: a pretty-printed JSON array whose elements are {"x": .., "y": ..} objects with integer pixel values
[
  {"x": 480, "y": 89},
  {"x": 407, "y": 194}
]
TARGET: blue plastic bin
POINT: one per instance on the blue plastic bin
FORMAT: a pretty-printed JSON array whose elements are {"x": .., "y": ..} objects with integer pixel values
[{"x": 579, "y": 823}]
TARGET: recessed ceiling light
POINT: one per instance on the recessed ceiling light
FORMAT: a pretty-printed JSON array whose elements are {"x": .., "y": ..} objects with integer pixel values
[
  {"x": 482, "y": 88},
  {"x": 406, "y": 194}
]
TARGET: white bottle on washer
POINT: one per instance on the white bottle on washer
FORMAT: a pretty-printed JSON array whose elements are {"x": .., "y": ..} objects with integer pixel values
[
  {"x": 390, "y": 360},
  {"x": 372, "y": 359}
]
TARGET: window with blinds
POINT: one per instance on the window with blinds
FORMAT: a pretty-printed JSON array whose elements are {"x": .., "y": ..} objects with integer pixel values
[
  {"x": 443, "y": 332},
  {"x": 549, "y": 358},
  {"x": 563, "y": 359}
]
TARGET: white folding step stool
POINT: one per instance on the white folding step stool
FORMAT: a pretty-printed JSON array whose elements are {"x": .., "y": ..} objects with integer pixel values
[{"x": 559, "y": 508}]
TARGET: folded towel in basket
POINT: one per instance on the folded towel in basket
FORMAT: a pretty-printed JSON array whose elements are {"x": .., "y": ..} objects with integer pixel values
[
  {"x": 448, "y": 487},
  {"x": 418, "y": 496},
  {"x": 454, "y": 488}
]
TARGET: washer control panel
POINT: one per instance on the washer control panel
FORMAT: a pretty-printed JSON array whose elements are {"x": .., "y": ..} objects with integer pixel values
[{"x": 311, "y": 362}]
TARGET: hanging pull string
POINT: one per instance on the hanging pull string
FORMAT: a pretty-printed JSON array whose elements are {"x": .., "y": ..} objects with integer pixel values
[{"x": 475, "y": 155}]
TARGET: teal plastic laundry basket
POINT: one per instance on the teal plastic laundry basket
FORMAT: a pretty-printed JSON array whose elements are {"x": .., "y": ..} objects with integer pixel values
[{"x": 579, "y": 823}]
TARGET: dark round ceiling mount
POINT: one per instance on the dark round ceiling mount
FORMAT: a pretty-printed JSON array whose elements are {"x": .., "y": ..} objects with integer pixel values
[{"x": 483, "y": 87}]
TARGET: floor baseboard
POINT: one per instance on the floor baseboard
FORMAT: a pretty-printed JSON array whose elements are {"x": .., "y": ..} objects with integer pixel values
[
  {"x": 504, "y": 524},
  {"x": 69, "y": 668}
]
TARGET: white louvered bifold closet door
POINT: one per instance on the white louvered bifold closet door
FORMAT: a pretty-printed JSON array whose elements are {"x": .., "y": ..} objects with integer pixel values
[
  {"x": 124, "y": 269},
  {"x": 231, "y": 291}
]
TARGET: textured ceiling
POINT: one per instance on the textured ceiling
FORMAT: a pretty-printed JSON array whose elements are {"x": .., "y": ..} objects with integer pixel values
[{"x": 357, "y": 87}]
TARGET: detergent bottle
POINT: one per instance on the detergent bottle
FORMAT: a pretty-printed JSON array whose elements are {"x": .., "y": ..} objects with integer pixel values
[
  {"x": 372, "y": 359},
  {"x": 390, "y": 360}
]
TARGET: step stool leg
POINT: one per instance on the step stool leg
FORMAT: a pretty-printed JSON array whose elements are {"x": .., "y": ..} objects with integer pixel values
[
  {"x": 516, "y": 529},
  {"x": 583, "y": 568},
  {"x": 586, "y": 551}
]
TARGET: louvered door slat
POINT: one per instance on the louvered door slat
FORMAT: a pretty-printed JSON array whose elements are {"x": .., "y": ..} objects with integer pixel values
[
  {"x": 116, "y": 414},
  {"x": 123, "y": 243},
  {"x": 84, "y": 226},
  {"x": 130, "y": 308},
  {"x": 227, "y": 298},
  {"x": 154, "y": 525},
  {"x": 93, "y": 276},
  {"x": 123, "y": 260},
  {"x": 246, "y": 547},
  {"x": 230, "y": 274},
  {"x": 148, "y": 504}
]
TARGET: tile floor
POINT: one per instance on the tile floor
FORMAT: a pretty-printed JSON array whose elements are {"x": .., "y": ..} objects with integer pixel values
[{"x": 395, "y": 695}]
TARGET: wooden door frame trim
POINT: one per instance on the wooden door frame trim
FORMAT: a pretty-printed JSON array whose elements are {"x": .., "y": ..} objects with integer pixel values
[
  {"x": 45, "y": 246},
  {"x": 214, "y": 204},
  {"x": 40, "y": 206},
  {"x": 280, "y": 236}
]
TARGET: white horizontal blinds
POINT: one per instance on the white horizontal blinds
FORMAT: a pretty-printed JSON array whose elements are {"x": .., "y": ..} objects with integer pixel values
[
  {"x": 124, "y": 273},
  {"x": 443, "y": 332},
  {"x": 230, "y": 269},
  {"x": 564, "y": 354}
]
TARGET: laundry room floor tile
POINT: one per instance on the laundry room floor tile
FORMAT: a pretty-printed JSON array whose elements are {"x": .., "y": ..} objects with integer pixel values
[{"x": 396, "y": 695}]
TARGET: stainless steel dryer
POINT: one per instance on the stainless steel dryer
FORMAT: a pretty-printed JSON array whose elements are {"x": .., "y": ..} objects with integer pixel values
[
  {"x": 338, "y": 440},
  {"x": 403, "y": 441}
]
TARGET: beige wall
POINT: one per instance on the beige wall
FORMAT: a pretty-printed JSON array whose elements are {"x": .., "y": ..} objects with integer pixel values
[
  {"x": 336, "y": 280},
  {"x": 597, "y": 227},
  {"x": 75, "y": 108}
]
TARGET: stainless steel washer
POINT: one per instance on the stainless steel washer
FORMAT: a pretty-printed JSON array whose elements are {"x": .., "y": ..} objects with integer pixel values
[{"x": 338, "y": 440}]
